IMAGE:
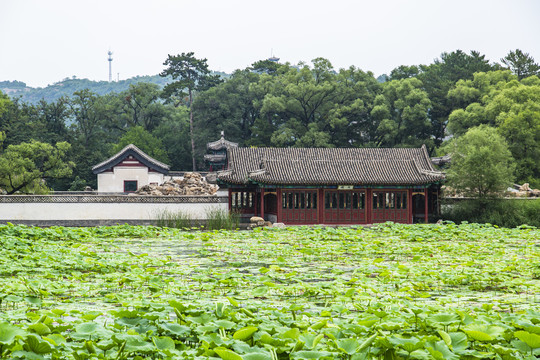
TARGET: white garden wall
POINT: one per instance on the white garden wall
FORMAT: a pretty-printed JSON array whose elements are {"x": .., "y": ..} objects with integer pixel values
[{"x": 75, "y": 210}]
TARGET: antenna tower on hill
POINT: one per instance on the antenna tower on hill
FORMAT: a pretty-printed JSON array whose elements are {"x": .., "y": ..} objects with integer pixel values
[{"x": 110, "y": 65}]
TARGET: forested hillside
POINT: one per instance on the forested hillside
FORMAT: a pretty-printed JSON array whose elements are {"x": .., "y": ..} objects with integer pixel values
[
  {"x": 68, "y": 86},
  {"x": 271, "y": 104}
]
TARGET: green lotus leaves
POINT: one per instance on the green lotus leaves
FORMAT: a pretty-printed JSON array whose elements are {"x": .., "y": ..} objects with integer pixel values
[
  {"x": 304, "y": 355},
  {"x": 39, "y": 328},
  {"x": 37, "y": 345},
  {"x": 480, "y": 332},
  {"x": 227, "y": 354},
  {"x": 257, "y": 356},
  {"x": 532, "y": 340},
  {"x": 390, "y": 291},
  {"x": 163, "y": 343},
  {"x": 245, "y": 333},
  {"x": 8, "y": 333},
  {"x": 348, "y": 346}
]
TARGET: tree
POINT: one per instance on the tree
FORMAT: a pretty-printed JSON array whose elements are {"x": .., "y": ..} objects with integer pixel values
[
  {"x": 402, "y": 114},
  {"x": 438, "y": 78},
  {"x": 497, "y": 99},
  {"x": 145, "y": 141},
  {"x": 173, "y": 131},
  {"x": 404, "y": 72},
  {"x": 481, "y": 165},
  {"x": 233, "y": 107},
  {"x": 301, "y": 102},
  {"x": 522, "y": 64},
  {"x": 192, "y": 74},
  {"x": 86, "y": 117},
  {"x": 4, "y": 102},
  {"x": 25, "y": 167},
  {"x": 141, "y": 106}
]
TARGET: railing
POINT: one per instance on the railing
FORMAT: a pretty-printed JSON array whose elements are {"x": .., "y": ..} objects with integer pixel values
[{"x": 92, "y": 198}]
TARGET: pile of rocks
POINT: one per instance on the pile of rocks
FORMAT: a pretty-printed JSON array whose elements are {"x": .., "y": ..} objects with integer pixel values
[
  {"x": 524, "y": 191},
  {"x": 256, "y": 221},
  {"x": 192, "y": 184}
]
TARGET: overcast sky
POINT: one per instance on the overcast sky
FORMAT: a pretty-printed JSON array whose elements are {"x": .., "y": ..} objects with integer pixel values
[{"x": 45, "y": 41}]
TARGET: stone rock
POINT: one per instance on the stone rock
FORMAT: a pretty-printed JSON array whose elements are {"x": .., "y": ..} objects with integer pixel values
[
  {"x": 279, "y": 225},
  {"x": 525, "y": 187},
  {"x": 256, "y": 219},
  {"x": 192, "y": 184}
]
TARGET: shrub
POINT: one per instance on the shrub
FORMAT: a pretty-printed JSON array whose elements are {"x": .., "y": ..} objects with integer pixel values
[
  {"x": 221, "y": 219},
  {"x": 500, "y": 212},
  {"x": 178, "y": 219}
]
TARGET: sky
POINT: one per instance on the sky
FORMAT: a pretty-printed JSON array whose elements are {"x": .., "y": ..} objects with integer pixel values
[{"x": 46, "y": 41}]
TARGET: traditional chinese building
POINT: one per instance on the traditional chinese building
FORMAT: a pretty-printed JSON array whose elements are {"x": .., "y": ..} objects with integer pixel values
[
  {"x": 129, "y": 170},
  {"x": 332, "y": 186}
]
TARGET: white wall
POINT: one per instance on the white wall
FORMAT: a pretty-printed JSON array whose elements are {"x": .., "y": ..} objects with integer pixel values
[
  {"x": 98, "y": 207},
  {"x": 97, "y": 211},
  {"x": 114, "y": 181}
]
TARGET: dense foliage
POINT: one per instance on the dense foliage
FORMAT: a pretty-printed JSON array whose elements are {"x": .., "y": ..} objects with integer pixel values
[
  {"x": 481, "y": 163},
  {"x": 389, "y": 292},
  {"x": 303, "y": 105},
  {"x": 501, "y": 212}
]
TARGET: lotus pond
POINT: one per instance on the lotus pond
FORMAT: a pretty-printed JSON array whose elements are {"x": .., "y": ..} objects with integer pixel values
[{"x": 389, "y": 292}]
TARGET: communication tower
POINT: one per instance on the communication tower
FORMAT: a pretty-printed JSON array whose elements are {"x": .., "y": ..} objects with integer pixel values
[
  {"x": 110, "y": 65},
  {"x": 272, "y": 57}
]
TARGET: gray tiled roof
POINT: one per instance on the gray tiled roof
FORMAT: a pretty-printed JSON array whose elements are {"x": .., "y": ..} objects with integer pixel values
[
  {"x": 137, "y": 154},
  {"x": 323, "y": 166},
  {"x": 221, "y": 144}
]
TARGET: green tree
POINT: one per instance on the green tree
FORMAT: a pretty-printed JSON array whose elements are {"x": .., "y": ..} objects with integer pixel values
[
  {"x": 404, "y": 72},
  {"x": 402, "y": 114},
  {"x": 89, "y": 133},
  {"x": 86, "y": 115},
  {"x": 190, "y": 74},
  {"x": 49, "y": 119},
  {"x": 481, "y": 165},
  {"x": 144, "y": 141},
  {"x": 26, "y": 167},
  {"x": 173, "y": 132},
  {"x": 141, "y": 106},
  {"x": 499, "y": 100},
  {"x": 438, "y": 78},
  {"x": 301, "y": 102},
  {"x": 522, "y": 64},
  {"x": 15, "y": 122},
  {"x": 4, "y": 102}
]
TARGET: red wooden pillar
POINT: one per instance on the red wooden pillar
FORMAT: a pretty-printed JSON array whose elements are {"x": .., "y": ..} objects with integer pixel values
[
  {"x": 426, "y": 205},
  {"x": 279, "y": 205},
  {"x": 257, "y": 201},
  {"x": 369, "y": 206},
  {"x": 410, "y": 196},
  {"x": 320, "y": 212},
  {"x": 230, "y": 199},
  {"x": 262, "y": 203}
]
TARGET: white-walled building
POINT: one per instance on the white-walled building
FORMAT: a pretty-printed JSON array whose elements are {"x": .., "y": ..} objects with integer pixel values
[{"x": 128, "y": 171}]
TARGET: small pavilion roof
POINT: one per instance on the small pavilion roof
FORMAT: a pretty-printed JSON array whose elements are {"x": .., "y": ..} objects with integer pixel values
[
  {"x": 137, "y": 154},
  {"x": 330, "y": 166},
  {"x": 221, "y": 144}
]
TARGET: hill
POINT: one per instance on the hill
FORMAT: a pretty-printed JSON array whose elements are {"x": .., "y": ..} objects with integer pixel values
[{"x": 68, "y": 86}]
